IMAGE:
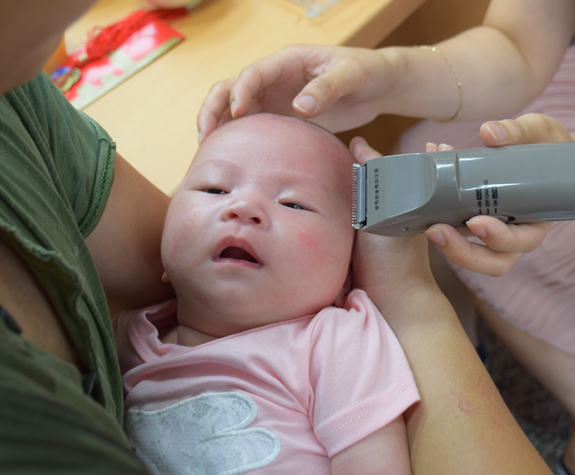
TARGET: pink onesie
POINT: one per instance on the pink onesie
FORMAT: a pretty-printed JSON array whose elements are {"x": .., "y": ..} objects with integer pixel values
[{"x": 282, "y": 398}]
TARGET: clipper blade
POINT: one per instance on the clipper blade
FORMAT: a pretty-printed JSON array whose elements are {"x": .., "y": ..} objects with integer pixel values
[{"x": 358, "y": 198}]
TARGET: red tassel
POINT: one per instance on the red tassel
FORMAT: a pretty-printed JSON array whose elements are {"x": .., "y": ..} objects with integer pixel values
[{"x": 104, "y": 41}]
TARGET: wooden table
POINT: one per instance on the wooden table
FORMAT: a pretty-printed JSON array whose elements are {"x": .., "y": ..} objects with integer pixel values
[{"x": 152, "y": 115}]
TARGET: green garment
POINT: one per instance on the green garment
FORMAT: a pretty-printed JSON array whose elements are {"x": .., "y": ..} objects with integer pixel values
[{"x": 56, "y": 171}]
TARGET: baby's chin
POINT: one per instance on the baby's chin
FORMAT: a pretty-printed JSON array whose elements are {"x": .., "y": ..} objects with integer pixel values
[
  {"x": 213, "y": 325},
  {"x": 218, "y": 316}
]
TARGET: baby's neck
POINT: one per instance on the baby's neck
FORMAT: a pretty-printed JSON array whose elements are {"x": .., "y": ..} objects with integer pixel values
[{"x": 187, "y": 336}]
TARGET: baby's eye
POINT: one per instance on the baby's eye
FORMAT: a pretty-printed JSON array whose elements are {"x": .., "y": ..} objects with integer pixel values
[
  {"x": 295, "y": 206},
  {"x": 215, "y": 191}
]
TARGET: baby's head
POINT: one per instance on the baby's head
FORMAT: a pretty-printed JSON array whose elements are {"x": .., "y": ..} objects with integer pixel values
[{"x": 260, "y": 229}]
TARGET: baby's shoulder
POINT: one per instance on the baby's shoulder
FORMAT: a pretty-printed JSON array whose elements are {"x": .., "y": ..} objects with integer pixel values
[{"x": 356, "y": 312}]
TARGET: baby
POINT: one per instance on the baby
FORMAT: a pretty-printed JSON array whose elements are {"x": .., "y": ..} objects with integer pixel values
[{"x": 253, "y": 368}]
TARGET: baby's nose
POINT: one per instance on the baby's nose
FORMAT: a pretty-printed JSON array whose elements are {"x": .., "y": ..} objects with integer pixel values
[{"x": 248, "y": 212}]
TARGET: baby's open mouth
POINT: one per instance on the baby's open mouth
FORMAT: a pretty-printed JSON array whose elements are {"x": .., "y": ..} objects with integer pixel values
[{"x": 237, "y": 253}]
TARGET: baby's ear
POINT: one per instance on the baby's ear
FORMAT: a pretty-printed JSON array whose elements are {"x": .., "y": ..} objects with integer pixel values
[
  {"x": 346, "y": 288},
  {"x": 165, "y": 278}
]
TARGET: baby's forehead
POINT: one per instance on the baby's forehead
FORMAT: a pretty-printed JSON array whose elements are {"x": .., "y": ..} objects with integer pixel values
[
  {"x": 271, "y": 171},
  {"x": 283, "y": 137}
]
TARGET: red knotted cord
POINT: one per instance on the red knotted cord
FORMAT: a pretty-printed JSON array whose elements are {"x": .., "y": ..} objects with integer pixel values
[{"x": 103, "y": 41}]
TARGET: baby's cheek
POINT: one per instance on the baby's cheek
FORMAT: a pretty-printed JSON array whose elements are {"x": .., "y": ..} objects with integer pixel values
[
  {"x": 313, "y": 247},
  {"x": 188, "y": 210},
  {"x": 179, "y": 228},
  {"x": 194, "y": 212},
  {"x": 308, "y": 240},
  {"x": 174, "y": 245}
]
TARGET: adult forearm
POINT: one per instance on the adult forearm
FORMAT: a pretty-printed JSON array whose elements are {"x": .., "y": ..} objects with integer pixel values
[
  {"x": 503, "y": 65},
  {"x": 461, "y": 425},
  {"x": 495, "y": 78},
  {"x": 125, "y": 245}
]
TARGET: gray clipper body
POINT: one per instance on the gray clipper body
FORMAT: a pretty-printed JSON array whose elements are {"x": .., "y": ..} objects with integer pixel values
[{"x": 401, "y": 195}]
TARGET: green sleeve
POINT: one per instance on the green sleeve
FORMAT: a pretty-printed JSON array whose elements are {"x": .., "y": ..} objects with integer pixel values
[
  {"x": 56, "y": 172},
  {"x": 77, "y": 152}
]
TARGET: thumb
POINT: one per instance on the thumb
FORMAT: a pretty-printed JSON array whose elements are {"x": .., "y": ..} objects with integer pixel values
[
  {"x": 362, "y": 151},
  {"x": 527, "y": 129}
]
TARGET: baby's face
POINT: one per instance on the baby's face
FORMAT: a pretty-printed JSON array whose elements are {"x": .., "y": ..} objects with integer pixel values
[{"x": 260, "y": 229}]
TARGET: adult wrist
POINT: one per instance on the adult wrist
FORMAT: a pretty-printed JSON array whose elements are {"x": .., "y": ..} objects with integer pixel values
[
  {"x": 392, "y": 78},
  {"x": 422, "y": 303}
]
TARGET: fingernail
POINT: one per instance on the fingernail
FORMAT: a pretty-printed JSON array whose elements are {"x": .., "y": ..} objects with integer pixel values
[
  {"x": 355, "y": 144},
  {"x": 306, "y": 104},
  {"x": 443, "y": 147},
  {"x": 356, "y": 149},
  {"x": 477, "y": 228},
  {"x": 200, "y": 138},
  {"x": 429, "y": 147},
  {"x": 498, "y": 132},
  {"x": 436, "y": 235},
  {"x": 233, "y": 107}
]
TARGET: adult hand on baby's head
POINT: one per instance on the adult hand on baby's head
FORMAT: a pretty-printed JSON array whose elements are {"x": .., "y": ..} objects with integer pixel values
[
  {"x": 389, "y": 269},
  {"x": 338, "y": 87},
  {"x": 504, "y": 244}
]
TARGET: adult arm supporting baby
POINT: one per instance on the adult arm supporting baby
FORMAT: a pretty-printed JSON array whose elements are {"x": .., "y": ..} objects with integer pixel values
[
  {"x": 386, "y": 447},
  {"x": 461, "y": 424},
  {"x": 125, "y": 243}
]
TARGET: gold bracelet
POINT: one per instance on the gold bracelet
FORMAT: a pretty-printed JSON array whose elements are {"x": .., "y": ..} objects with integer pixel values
[{"x": 433, "y": 49}]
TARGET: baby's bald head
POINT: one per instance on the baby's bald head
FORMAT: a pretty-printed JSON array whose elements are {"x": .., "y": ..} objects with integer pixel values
[{"x": 281, "y": 188}]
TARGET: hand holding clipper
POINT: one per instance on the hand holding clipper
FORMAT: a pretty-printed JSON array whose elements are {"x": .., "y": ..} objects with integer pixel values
[{"x": 402, "y": 195}]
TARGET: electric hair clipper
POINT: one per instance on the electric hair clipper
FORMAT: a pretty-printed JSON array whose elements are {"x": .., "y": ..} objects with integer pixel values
[{"x": 401, "y": 195}]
